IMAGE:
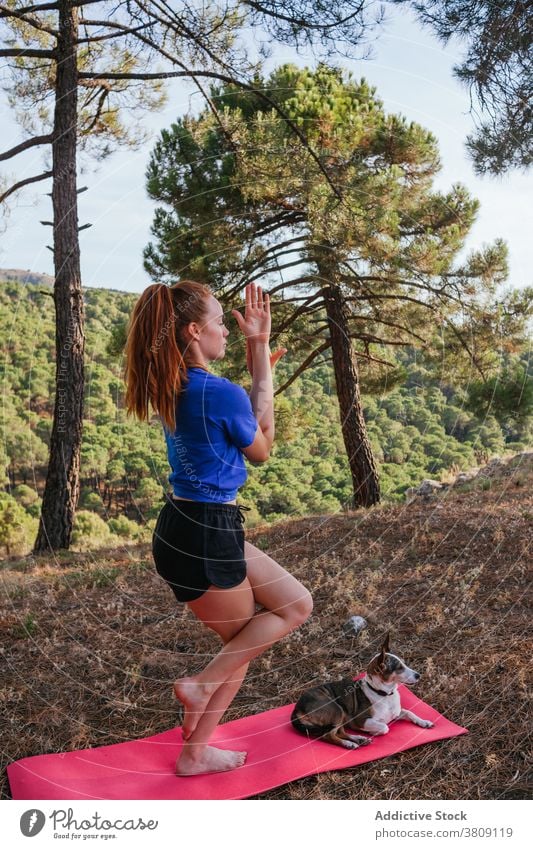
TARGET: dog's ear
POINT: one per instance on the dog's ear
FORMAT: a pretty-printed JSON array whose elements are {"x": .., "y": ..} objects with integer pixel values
[
  {"x": 381, "y": 660},
  {"x": 385, "y": 646}
]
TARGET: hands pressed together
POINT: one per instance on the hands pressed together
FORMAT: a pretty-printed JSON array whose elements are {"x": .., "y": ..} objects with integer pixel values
[{"x": 256, "y": 324}]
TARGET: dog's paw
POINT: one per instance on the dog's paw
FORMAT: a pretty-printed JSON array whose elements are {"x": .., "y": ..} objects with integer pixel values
[
  {"x": 349, "y": 744},
  {"x": 426, "y": 723},
  {"x": 353, "y": 741},
  {"x": 361, "y": 741}
]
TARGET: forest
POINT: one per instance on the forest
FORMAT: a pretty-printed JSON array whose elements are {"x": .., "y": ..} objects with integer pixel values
[
  {"x": 281, "y": 160},
  {"x": 289, "y": 170},
  {"x": 423, "y": 421}
]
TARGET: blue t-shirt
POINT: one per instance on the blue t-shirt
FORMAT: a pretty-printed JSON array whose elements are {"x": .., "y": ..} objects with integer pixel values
[{"x": 214, "y": 421}]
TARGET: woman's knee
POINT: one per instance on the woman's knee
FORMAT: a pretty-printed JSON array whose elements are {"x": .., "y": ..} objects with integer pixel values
[{"x": 300, "y": 609}]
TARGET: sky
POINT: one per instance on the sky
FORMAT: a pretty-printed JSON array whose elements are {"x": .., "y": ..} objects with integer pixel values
[{"x": 412, "y": 73}]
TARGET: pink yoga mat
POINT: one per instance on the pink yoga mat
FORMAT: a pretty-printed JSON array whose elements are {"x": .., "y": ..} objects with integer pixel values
[{"x": 277, "y": 754}]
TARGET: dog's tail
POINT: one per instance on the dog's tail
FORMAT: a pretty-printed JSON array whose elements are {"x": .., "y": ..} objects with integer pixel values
[{"x": 304, "y": 724}]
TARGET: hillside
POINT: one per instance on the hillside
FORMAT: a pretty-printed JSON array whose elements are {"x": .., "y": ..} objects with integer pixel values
[
  {"x": 21, "y": 275},
  {"x": 93, "y": 642},
  {"x": 423, "y": 427}
]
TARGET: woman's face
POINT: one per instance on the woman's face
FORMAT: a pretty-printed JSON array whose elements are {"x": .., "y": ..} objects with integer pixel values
[{"x": 212, "y": 332}]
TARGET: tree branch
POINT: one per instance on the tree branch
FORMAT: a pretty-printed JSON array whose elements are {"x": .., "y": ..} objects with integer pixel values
[
  {"x": 465, "y": 346},
  {"x": 303, "y": 308},
  {"x": 104, "y": 94},
  {"x": 425, "y": 287},
  {"x": 366, "y": 337},
  {"x": 301, "y": 22},
  {"x": 379, "y": 320},
  {"x": 309, "y": 278},
  {"x": 162, "y": 75},
  {"x": 35, "y": 53},
  {"x": 278, "y": 267},
  {"x": 374, "y": 359},
  {"x": 109, "y": 35},
  {"x": 38, "y": 140},
  {"x": 26, "y": 182},
  {"x": 300, "y": 297},
  {"x": 6, "y": 12},
  {"x": 282, "y": 219},
  {"x": 373, "y": 296},
  {"x": 272, "y": 254},
  {"x": 304, "y": 365},
  {"x": 177, "y": 22},
  {"x": 44, "y": 7}
]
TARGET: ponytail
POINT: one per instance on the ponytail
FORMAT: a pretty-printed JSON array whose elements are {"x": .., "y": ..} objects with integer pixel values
[{"x": 157, "y": 355}]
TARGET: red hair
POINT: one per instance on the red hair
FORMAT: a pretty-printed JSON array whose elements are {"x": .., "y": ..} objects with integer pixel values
[{"x": 157, "y": 354}]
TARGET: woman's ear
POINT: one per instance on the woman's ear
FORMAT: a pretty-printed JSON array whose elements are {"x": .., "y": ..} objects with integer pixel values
[{"x": 192, "y": 332}]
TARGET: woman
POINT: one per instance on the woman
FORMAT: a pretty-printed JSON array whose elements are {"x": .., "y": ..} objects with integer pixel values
[{"x": 210, "y": 425}]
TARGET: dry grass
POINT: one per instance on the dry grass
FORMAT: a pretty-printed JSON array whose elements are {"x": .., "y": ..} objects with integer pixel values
[{"x": 92, "y": 642}]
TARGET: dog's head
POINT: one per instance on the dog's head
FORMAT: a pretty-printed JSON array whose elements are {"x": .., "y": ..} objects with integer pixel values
[{"x": 390, "y": 668}]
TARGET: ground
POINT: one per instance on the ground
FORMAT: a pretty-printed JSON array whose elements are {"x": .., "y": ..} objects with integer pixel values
[{"x": 92, "y": 642}]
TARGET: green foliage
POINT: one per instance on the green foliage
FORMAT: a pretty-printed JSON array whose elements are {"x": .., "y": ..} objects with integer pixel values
[
  {"x": 419, "y": 428},
  {"x": 508, "y": 395},
  {"x": 230, "y": 184},
  {"x": 146, "y": 497},
  {"x": 105, "y": 577},
  {"x": 89, "y": 532},
  {"x": 29, "y": 499},
  {"x": 102, "y": 122},
  {"x": 126, "y": 529},
  {"x": 92, "y": 501},
  {"x": 241, "y": 197},
  {"x": 27, "y": 627},
  {"x": 496, "y": 66},
  {"x": 25, "y": 495},
  {"x": 16, "y": 526}
]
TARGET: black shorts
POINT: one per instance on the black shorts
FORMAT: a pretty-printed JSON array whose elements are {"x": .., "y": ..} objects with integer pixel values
[{"x": 197, "y": 544}]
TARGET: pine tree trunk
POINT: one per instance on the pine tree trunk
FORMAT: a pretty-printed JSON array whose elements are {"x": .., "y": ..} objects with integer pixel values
[
  {"x": 61, "y": 493},
  {"x": 365, "y": 477}
]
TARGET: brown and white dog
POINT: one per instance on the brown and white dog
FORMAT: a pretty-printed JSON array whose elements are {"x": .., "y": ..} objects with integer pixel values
[{"x": 368, "y": 704}]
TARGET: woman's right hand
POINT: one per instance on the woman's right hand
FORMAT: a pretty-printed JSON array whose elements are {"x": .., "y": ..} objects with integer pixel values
[{"x": 256, "y": 324}]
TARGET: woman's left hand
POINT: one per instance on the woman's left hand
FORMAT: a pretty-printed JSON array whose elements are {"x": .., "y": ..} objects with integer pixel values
[{"x": 256, "y": 322}]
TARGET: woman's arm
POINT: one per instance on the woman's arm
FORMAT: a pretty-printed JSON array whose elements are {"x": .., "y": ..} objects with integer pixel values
[
  {"x": 256, "y": 326},
  {"x": 262, "y": 392},
  {"x": 274, "y": 358}
]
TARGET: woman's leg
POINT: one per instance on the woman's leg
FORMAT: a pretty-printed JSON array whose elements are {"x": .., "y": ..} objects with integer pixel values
[
  {"x": 196, "y": 755},
  {"x": 287, "y": 604},
  {"x": 232, "y": 609}
]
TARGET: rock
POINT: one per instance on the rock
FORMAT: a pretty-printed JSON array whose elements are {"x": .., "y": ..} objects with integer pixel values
[
  {"x": 496, "y": 467},
  {"x": 523, "y": 459},
  {"x": 464, "y": 477},
  {"x": 426, "y": 488},
  {"x": 492, "y": 468},
  {"x": 429, "y": 487},
  {"x": 354, "y": 626}
]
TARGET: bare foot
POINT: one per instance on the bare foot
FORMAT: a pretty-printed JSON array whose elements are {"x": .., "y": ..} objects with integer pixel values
[
  {"x": 195, "y": 698},
  {"x": 210, "y": 760}
]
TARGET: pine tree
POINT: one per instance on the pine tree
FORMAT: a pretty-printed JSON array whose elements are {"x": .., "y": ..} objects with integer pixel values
[
  {"x": 360, "y": 235},
  {"x": 496, "y": 69}
]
